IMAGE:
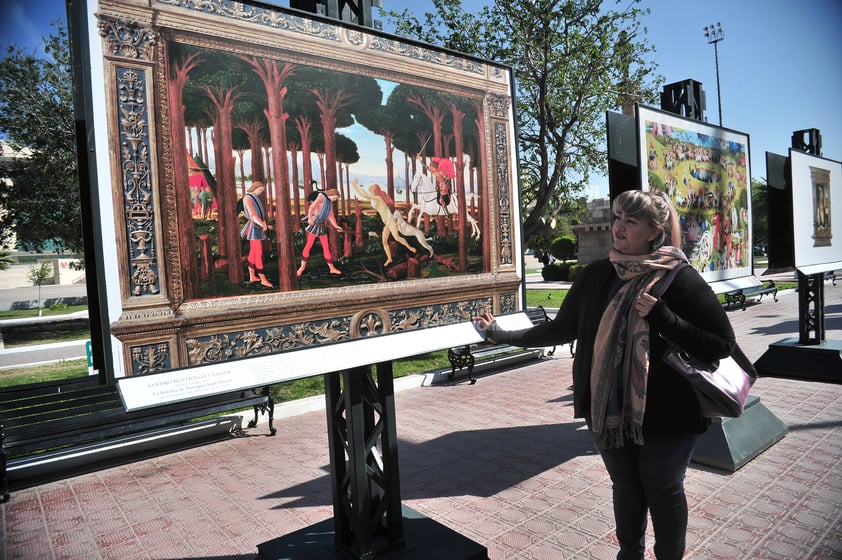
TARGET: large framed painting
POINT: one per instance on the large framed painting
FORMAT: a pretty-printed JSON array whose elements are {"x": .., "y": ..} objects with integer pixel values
[
  {"x": 271, "y": 183},
  {"x": 816, "y": 207},
  {"x": 705, "y": 170}
]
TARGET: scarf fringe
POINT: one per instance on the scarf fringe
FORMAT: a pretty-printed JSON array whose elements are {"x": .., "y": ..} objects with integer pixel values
[{"x": 615, "y": 438}]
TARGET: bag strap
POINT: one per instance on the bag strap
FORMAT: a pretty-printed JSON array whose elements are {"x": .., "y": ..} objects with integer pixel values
[{"x": 664, "y": 283}]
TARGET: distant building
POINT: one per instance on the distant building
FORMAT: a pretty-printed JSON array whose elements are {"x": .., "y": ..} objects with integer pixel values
[{"x": 594, "y": 235}]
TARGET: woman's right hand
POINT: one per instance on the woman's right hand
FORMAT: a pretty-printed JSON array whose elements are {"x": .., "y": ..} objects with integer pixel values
[{"x": 483, "y": 321}]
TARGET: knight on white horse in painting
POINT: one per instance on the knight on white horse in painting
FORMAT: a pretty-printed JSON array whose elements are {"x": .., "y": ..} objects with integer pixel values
[{"x": 435, "y": 196}]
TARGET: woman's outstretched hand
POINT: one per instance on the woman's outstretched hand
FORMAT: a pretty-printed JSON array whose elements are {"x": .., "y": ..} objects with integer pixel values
[{"x": 482, "y": 322}]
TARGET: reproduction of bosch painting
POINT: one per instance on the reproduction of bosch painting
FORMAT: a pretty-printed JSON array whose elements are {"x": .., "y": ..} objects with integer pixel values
[
  {"x": 279, "y": 182},
  {"x": 705, "y": 170}
]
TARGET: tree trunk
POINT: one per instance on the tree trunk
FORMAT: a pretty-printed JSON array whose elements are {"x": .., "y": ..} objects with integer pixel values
[
  {"x": 229, "y": 223},
  {"x": 186, "y": 231},
  {"x": 390, "y": 163},
  {"x": 296, "y": 196},
  {"x": 273, "y": 76}
]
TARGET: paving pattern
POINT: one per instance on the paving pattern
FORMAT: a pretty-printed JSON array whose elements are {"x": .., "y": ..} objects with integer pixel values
[{"x": 502, "y": 462}]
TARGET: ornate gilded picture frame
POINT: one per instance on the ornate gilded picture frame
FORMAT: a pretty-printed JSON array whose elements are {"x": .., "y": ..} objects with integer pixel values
[{"x": 272, "y": 182}]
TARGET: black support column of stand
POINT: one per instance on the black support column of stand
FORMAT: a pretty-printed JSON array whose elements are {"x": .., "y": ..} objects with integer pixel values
[
  {"x": 811, "y": 308},
  {"x": 365, "y": 479},
  {"x": 369, "y": 521}
]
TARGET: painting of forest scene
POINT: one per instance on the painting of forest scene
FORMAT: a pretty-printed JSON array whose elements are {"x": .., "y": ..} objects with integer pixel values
[
  {"x": 296, "y": 177},
  {"x": 705, "y": 171},
  {"x": 280, "y": 183}
]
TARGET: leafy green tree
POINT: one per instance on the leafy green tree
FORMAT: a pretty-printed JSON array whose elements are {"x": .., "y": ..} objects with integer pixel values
[
  {"x": 38, "y": 274},
  {"x": 563, "y": 248},
  {"x": 42, "y": 203},
  {"x": 573, "y": 60}
]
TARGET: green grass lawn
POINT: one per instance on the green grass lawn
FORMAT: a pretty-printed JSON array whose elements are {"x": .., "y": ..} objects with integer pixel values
[
  {"x": 545, "y": 298},
  {"x": 45, "y": 312},
  {"x": 65, "y": 369}
]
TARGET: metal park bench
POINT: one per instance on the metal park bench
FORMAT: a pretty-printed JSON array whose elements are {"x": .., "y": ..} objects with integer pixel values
[
  {"x": 739, "y": 296},
  {"x": 495, "y": 355},
  {"x": 58, "y": 426}
]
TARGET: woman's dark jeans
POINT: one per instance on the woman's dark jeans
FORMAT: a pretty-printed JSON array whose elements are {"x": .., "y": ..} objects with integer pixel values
[{"x": 650, "y": 478}]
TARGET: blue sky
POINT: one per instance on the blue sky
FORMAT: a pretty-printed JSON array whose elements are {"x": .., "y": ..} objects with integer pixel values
[
  {"x": 780, "y": 63},
  {"x": 780, "y": 66}
]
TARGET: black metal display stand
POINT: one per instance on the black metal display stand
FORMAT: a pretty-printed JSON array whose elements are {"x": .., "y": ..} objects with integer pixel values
[
  {"x": 369, "y": 521},
  {"x": 730, "y": 443},
  {"x": 809, "y": 357}
]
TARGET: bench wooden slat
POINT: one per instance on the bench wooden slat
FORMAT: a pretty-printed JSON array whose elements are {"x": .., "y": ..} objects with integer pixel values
[
  {"x": 91, "y": 424},
  {"x": 14, "y": 392},
  {"x": 55, "y": 419},
  {"x": 11, "y": 396},
  {"x": 62, "y": 431},
  {"x": 66, "y": 406}
]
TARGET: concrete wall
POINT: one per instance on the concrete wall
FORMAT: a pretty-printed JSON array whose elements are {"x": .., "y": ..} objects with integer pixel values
[
  {"x": 594, "y": 240},
  {"x": 594, "y": 236}
]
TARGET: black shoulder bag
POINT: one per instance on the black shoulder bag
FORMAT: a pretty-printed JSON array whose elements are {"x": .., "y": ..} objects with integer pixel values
[{"x": 721, "y": 386}]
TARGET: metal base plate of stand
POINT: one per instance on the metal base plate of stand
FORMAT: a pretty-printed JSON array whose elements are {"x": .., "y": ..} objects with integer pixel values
[
  {"x": 730, "y": 443},
  {"x": 812, "y": 362},
  {"x": 425, "y": 539}
]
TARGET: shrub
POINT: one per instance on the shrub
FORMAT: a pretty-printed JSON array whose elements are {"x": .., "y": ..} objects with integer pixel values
[
  {"x": 563, "y": 248},
  {"x": 557, "y": 272},
  {"x": 575, "y": 270}
]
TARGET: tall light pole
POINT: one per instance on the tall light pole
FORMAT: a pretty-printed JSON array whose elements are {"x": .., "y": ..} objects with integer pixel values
[{"x": 714, "y": 35}]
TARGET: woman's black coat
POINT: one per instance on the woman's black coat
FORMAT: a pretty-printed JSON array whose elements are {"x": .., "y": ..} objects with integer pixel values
[{"x": 688, "y": 313}]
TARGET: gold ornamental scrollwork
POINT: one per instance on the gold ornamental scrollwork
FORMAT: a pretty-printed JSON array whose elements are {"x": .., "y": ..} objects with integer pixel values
[
  {"x": 370, "y": 322},
  {"x": 498, "y": 106},
  {"x": 259, "y": 15},
  {"x": 504, "y": 188},
  {"x": 127, "y": 39},
  {"x": 150, "y": 358},
  {"x": 135, "y": 167},
  {"x": 265, "y": 340}
]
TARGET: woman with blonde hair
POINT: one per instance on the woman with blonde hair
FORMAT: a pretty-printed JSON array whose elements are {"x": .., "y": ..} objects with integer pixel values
[{"x": 643, "y": 416}]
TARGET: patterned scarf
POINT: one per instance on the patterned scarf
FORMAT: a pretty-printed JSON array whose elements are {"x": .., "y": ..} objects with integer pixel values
[{"x": 621, "y": 350}]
